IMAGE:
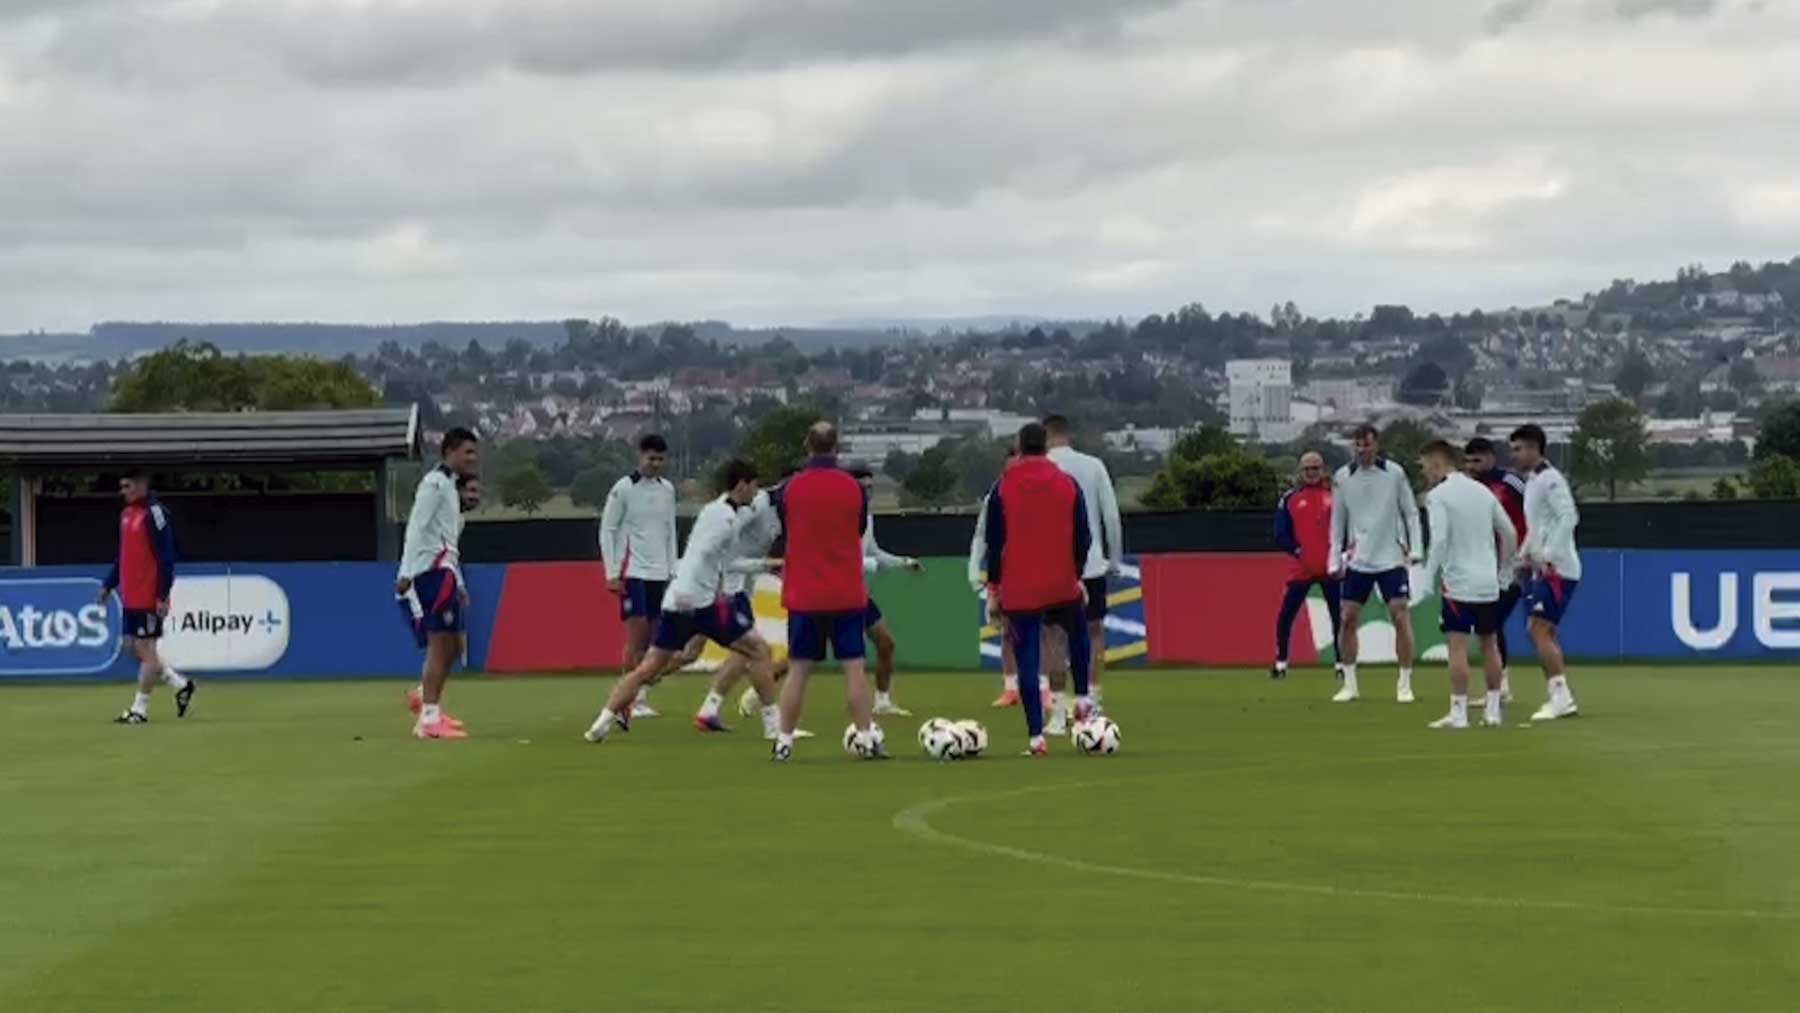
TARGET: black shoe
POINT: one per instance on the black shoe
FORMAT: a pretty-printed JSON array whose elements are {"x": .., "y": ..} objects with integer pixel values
[
  {"x": 781, "y": 753},
  {"x": 131, "y": 718},
  {"x": 183, "y": 697},
  {"x": 1277, "y": 673}
]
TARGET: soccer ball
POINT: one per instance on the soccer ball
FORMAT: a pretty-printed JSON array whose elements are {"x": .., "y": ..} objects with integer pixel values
[
  {"x": 941, "y": 740},
  {"x": 975, "y": 737},
  {"x": 1097, "y": 737},
  {"x": 864, "y": 748}
]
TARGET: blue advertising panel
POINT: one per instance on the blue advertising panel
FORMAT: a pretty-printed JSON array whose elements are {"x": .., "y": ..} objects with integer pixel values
[{"x": 1711, "y": 604}]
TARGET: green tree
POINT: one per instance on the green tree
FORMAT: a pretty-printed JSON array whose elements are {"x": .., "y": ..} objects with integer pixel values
[
  {"x": 1774, "y": 477},
  {"x": 1610, "y": 445},
  {"x": 1227, "y": 481},
  {"x": 898, "y": 464},
  {"x": 1426, "y": 384},
  {"x": 189, "y": 376},
  {"x": 1725, "y": 489},
  {"x": 932, "y": 482},
  {"x": 1634, "y": 375},
  {"x": 590, "y": 487},
  {"x": 1204, "y": 442},
  {"x": 1780, "y": 433},
  {"x": 777, "y": 443},
  {"x": 525, "y": 488},
  {"x": 1402, "y": 441}
]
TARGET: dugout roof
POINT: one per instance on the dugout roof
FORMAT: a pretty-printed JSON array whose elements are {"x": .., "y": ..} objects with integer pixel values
[{"x": 197, "y": 440}]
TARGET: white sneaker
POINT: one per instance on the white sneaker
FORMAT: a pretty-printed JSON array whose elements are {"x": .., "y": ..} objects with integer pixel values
[
  {"x": 1403, "y": 693},
  {"x": 1556, "y": 709},
  {"x": 1506, "y": 690},
  {"x": 1057, "y": 725},
  {"x": 1347, "y": 694},
  {"x": 890, "y": 709},
  {"x": 596, "y": 734},
  {"x": 1451, "y": 721},
  {"x": 799, "y": 733},
  {"x": 640, "y": 709},
  {"x": 1492, "y": 719}
]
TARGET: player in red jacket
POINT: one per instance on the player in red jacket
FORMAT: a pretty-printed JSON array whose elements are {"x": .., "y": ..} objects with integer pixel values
[
  {"x": 1037, "y": 543},
  {"x": 1303, "y": 531},
  {"x": 824, "y": 511},
  {"x": 1479, "y": 460},
  {"x": 143, "y": 575}
]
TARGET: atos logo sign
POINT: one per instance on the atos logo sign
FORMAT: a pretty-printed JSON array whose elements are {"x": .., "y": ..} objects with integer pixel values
[
  {"x": 1774, "y": 611},
  {"x": 55, "y": 626}
]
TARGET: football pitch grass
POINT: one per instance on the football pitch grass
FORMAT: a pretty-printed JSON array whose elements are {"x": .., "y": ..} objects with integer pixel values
[{"x": 1253, "y": 847}]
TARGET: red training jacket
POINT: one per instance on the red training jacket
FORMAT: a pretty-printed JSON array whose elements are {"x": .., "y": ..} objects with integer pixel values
[
  {"x": 1037, "y": 537},
  {"x": 823, "y": 511},
  {"x": 1303, "y": 530},
  {"x": 145, "y": 568},
  {"x": 1510, "y": 489}
]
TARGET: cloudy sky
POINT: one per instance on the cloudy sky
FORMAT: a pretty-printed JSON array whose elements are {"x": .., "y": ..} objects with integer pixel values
[{"x": 791, "y": 161}]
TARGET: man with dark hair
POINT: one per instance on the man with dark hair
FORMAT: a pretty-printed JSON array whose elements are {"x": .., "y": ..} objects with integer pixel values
[
  {"x": 1480, "y": 460},
  {"x": 430, "y": 565},
  {"x": 1106, "y": 558},
  {"x": 143, "y": 574},
  {"x": 1471, "y": 542},
  {"x": 693, "y": 605},
  {"x": 468, "y": 490},
  {"x": 825, "y": 512},
  {"x": 876, "y": 559},
  {"x": 1549, "y": 553},
  {"x": 1303, "y": 531},
  {"x": 637, "y": 545},
  {"x": 1375, "y": 537},
  {"x": 1037, "y": 545},
  {"x": 1009, "y": 662}
]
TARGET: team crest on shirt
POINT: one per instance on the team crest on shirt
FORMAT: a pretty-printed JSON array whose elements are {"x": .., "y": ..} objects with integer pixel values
[{"x": 450, "y": 616}]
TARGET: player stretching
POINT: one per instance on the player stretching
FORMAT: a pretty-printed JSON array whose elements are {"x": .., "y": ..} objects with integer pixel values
[
  {"x": 468, "y": 491},
  {"x": 1009, "y": 662},
  {"x": 824, "y": 512},
  {"x": 1037, "y": 532},
  {"x": 637, "y": 544},
  {"x": 1106, "y": 555},
  {"x": 876, "y": 559},
  {"x": 1374, "y": 536},
  {"x": 1303, "y": 530},
  {"x": 431, "y": 564},
  {"x": 1472, "y": 541},
  {"x": 143, "y": 574},
  {"x": 1555, "y": 565},
  {"x": 1479, "y": 459}
]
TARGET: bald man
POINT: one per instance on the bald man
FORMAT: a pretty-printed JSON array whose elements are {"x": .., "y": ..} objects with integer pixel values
[{"x": 1303, "y": 530}]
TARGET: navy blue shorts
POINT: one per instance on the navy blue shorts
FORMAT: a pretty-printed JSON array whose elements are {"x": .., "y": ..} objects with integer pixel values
[
  {"x": 415, "y": 625},
  {"x": 1478, "y": 617},
  {"x": 641, "y": 599},
  {"x": 1096, "y": 598},
  {"x": 810, "y": 636},
  {"x": 871, "y": 615},
  {"x": 1547, "y": 597},
  {"x": 724, "y": 623},
  {"x": 142, "y": 624},
  {"x": 437, "y": 591},
  {"x": 1395, "y": 585}
]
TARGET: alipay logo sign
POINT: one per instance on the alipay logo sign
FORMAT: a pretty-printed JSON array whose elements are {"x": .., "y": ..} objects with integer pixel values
[
  {"x": 55, "y": 626},
  {"x": 236, "y": 624}
]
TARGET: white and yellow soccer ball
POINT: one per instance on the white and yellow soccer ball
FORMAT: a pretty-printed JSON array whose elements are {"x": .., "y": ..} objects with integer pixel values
[
  {"x": 1097, "y": 736},
  {"x": 941, "y": 740},
  {"x": 864, "y": 747},
  {"x": 975, "y": 737}
]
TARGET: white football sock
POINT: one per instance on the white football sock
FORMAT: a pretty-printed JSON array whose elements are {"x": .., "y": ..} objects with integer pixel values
[
  {"x": 1559, "y": 687},
  {"x": 1406, "y": 677},
  {"x": 710, "y": 708},
  {"x": 140, "y": 704},
  {"x": 1010, "y": 682},
  {"x": 1281, "y": 666},
  {"x": 429, "y": 714},
  {"x": 883, "y": 700},
  {"x": 1094, "y": 691},
  {"x": 1350, "y": 678},
  {"x": 643, "y": 695},
  {"x": 174, "y": 678},
  {"x": 1459, "y": 706},
  {"x": 1493, "y": 701},
  {"x": 785, "y": 738},
  {"x": 771, "y": 718}
]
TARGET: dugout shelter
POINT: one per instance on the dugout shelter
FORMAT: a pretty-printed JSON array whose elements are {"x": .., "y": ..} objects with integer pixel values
[{"x": 242, "y": 486}]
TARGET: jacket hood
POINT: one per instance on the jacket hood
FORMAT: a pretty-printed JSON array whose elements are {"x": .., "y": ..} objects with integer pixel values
[{"x": 1034, "y": 473}]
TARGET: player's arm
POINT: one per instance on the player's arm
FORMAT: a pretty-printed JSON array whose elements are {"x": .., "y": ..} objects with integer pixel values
[
  {"x": 612, "y": 537},
  {"x": 1507, "y": 534},
  {"x": 1112, "y": 524},
  {"x": 996, "y": 537},
  {"x": 674, "y": 546},
  {"x": 978, "y": 549},
  {"x": 1440, "y": 542},
  {"x": 1334, "y": 558},
  {"x": 1409, "y": 515},
  {"x": 1284, "y": 527},
  {"x": 1084, "y": 539},
  {"x": 880, "y": 558},
  {"x": 1564, "y": 515}
]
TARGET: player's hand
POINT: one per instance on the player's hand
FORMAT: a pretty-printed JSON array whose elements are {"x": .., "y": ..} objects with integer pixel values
[
  {"x": 775, "y": 564},
  {"x": 1084, "y": 595},
  {"x": 462, "y": 595},
  {"x": 403, "y": 585},
  {"x": 993, "y": 605},
  {"x": 915, "y": 566},
  {"x": 162, "y": 609},
  {"x": 684, "y": 603},
  {"x": 1117, "y": 570},
  {"x": 616, "y": 586}
]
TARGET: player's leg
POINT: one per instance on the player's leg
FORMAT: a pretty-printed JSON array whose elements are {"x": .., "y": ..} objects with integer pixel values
[
  {"x": 848, "y": 645},
  {"x": 759, "y": 663},
  {"x": 1009, "y": 670},
  {"x": 145, "y": 652},
  {"x": 1547, "y": 600},
  {"x": 1490, "y": 658},
  {"x": 1334, "y": 607},
  {"x": 1356, "y": 590},
  {"x": 1509, "y": 603},
  {"x": 1053, "y": 659},
  {"x": 617, "y": 710},
  {"x": 882, "y": 636},
  {"x": 1027, "y": 633},
  {"x": 1396, "y": 591},
  {"x": 1458, "y": 644},
  {"x": 1075, "y": 626},
  {"x": 440, "y": 655},
  {"x": 1096, "y": 636},
  {"x": 806, "y": 648},
  {"x": 1291, "y": 601}
]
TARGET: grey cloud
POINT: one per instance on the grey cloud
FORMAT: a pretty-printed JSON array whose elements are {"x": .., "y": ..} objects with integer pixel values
[
  {"x": 1510, "y": 14},
  {"x": 1632, "y": 10},
  {"x": 447, "y": 41}
]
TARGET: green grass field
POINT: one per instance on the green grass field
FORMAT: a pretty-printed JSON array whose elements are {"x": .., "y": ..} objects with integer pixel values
[{"x": 1252, "y": 848}]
